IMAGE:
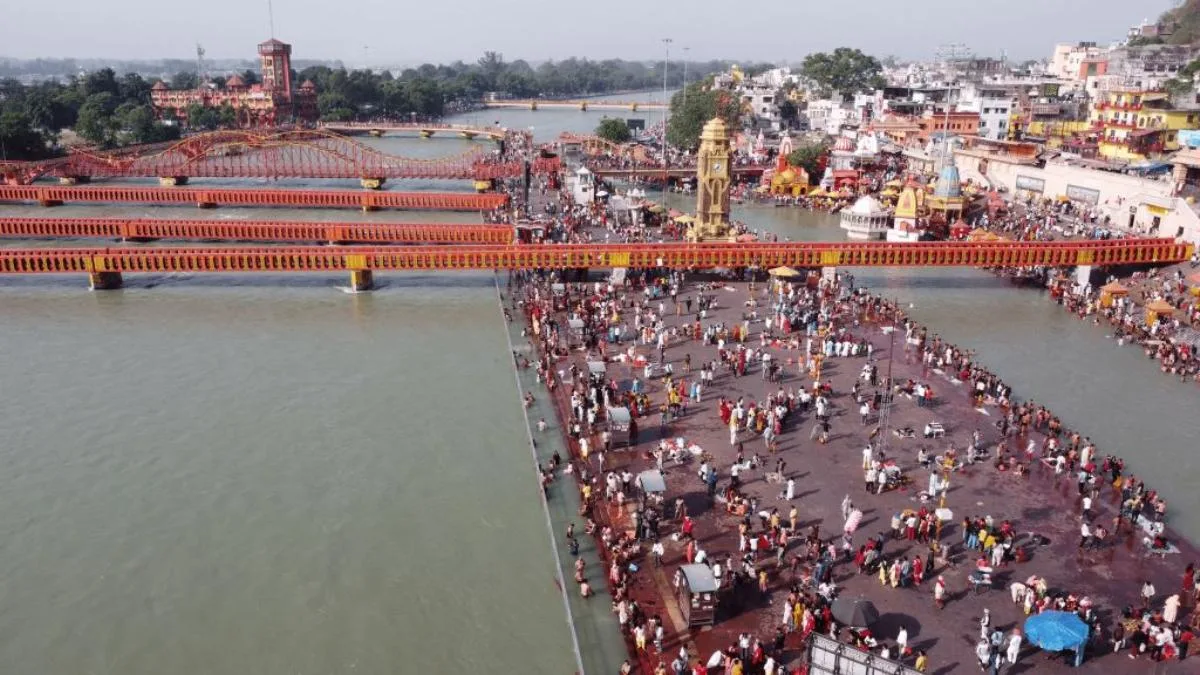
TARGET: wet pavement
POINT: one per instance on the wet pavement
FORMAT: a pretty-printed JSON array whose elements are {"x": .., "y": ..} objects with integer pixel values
[{"x": 825, "y": 473}]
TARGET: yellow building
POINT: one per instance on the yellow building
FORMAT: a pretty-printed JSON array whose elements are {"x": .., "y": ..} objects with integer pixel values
[{"x": 1135, "y": 125}]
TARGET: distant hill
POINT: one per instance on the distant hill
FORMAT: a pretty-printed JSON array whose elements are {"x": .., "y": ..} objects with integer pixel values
[{"x": 1180, "y": 25}]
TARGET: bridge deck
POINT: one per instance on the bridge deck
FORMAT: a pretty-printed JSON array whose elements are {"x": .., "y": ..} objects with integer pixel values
[
  {"x": 365, "y": 199},
  {"x": 582, "y": 256},
  {"x": 262, "y": 231}
]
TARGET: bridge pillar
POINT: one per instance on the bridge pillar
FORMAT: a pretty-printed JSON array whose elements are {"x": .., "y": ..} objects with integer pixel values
[
  {"x": 74, "y": 180},
  {"x": 583, "y": 105},
  {"x": 1083, "y": 275},
  {"x": 372, "y": 183},
  {"x": 533, "y": 105},
  {"x": 361, "y": 280},
  {"x": 50, "y": 202},
  {"x": 172, "y": 181},
  {"x": 104, "y": 281},
  {"x": 469, "y": 135},
  {"x": 633, "y": 107},
  {"x": 376, "y": 132},
  {"x": 426, "y": 133}
]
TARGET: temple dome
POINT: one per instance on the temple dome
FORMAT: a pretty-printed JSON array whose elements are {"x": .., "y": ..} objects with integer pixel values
[
  {"x": 948, "y": 183},
  {"x": 843, "y": 144},
  {"x": 867, "y": 206}
]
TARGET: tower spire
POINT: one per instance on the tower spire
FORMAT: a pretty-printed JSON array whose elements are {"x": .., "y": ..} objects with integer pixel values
[{"x": 271, "y": 18}]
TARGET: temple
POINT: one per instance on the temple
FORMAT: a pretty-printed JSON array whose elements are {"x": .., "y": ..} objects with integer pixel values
[{"x": 273, "y": 102}]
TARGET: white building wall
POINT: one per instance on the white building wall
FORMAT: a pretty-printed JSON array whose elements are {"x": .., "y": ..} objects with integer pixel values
[{"x": 1117, "y": 195}]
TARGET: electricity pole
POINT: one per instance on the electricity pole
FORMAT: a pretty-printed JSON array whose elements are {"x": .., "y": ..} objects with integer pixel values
[{"x": 666, "y": 104}]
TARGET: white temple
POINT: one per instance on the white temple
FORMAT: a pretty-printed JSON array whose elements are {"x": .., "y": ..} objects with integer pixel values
[{"x": 867, "y": 219}]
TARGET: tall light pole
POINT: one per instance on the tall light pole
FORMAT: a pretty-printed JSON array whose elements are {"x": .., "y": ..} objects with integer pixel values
[
  {"x": 685, "y": 62},
  {"x": 666, "y": 104}
]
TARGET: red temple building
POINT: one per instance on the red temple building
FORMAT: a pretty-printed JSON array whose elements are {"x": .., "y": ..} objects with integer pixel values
[{"x": 271, "y": 103}]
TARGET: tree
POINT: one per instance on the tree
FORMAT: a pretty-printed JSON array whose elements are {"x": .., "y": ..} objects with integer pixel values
[
  {"x": 227, "y": 117},
  {"x": 18, "y": 137},
  {"x": 811, "y": 157},
  {"x": 95, "y": 122},
  {"x": 688, "y": 119},
  {"x": 613, "y": 129},
  {"x": 250, "y": 77},
  {"x": 185, "y": 79},
  {"x": 844, "y": 71},
  {"x": 103, "y": 81}
]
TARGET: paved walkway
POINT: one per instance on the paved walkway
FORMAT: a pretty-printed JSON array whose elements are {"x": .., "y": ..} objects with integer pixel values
[{"x": 599, "y": 646}]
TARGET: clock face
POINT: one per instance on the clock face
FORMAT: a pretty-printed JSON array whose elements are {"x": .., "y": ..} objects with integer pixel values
[{"x": 717, "y": 166}]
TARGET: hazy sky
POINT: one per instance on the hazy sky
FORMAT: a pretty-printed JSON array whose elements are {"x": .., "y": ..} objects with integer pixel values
[{"x": 414, "y": 31}]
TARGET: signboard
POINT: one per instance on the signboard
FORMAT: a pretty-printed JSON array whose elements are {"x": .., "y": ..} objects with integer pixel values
[
  {"x": 1082, "y": 194},
  {"x": 827, "y": 656},
  {"x": 1031, "y": 184},
  {"x": 635, "y": 123},
  {"x": 1189, "y": 137}
]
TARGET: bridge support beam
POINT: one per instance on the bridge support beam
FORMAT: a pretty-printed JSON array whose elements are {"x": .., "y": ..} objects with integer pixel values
[
  {"x": 376, "y": 132},
  {"x": 172, "y": 181},
  {"x": 469, "y": 135},
  {"x": 426, "y": 133},
  {"x": 372, "y": 183},
  {"x": 104, "y": 281},
  {"x": 50, "y": 202},
  {"x": 361, "y": 280},
  {"x": 1083, "y": 275}
]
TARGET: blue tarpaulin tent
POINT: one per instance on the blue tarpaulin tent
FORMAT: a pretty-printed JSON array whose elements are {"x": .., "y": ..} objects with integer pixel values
[{"x": 1058, "y": 631}]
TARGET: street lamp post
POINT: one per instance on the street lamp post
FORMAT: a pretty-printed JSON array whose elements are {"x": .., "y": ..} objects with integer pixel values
[
  {"x": 666, "y": 104},
  {"x": 685, "y": 64}
]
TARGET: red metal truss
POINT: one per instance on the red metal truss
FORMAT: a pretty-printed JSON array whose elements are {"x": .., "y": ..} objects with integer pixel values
[
  {"x": 365, "y": 199},
  {"x": 400, "y": 258},
  {"x": 263, "y": 231},
  {"x": 307, "y": 153}
]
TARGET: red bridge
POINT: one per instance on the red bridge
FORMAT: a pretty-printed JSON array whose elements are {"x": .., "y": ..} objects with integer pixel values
[
  {"x": 423, "y": 130},
  {"x": 366, "y": 200},
  {"x": 651, "y": 171},
  {"x": 104, "y": 266},
  {"x": 259, "y": 154},
  {"x": 260, "y": 231}
]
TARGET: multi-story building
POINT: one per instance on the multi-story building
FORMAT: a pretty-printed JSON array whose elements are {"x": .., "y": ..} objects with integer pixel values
[
  {"x": 274, "y": 101},
  {"x": 1133, "y": 125},
  {"x": 954, "y": 122},
  {"x": 995, "y": 105},
  {"x": 1068, "y": 59}
]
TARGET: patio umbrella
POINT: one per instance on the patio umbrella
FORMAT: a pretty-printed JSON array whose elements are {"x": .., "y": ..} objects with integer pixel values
[
  {"x": 855, "y": 612},
  {"x": 1056, "y": 631}
]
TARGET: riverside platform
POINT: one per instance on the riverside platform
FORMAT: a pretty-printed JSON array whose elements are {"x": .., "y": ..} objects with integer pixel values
[{"x": 1040, "y": 503}]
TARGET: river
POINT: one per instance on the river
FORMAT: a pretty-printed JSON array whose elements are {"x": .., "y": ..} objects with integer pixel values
[{"x": 268, "y": 475}]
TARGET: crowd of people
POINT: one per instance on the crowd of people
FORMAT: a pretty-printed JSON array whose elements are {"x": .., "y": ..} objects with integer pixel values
[{"x": 635, "y": 321}]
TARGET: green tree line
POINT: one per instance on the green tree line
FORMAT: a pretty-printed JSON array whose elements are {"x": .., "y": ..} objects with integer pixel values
[
  {"x": 102, "y": 108},
  {"x": 431, "y": 90}
]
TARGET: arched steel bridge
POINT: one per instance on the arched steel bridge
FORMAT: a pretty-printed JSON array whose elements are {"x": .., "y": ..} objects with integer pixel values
[
  {"x": 298, "y": 153},
  {"x": 104, "y": 266}
]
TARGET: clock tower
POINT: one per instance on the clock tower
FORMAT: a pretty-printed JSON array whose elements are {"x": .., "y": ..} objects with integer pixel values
[{"x": 712, "y": 184}]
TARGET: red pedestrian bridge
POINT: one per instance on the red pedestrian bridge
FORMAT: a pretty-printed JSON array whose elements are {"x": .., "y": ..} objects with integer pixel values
[
  {"x": 105, "y": 266},
  {"x": 367, "y": 200}
]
